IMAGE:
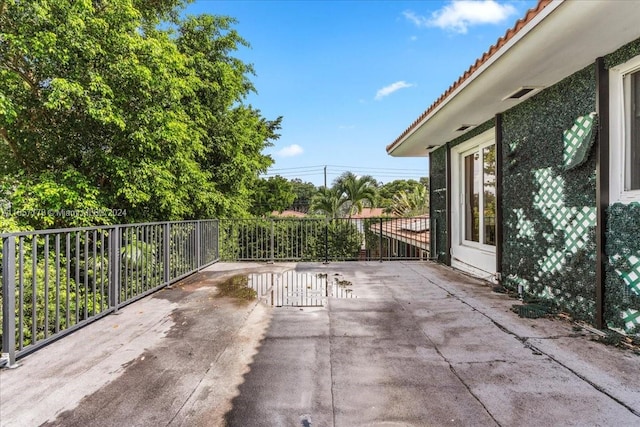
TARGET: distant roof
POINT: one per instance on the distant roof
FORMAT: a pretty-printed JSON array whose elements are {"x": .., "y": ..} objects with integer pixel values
[
  {"x": 288, "y": 213},
  {"x": 414, "y": 231},
  {"x": 370, "y": 213}
]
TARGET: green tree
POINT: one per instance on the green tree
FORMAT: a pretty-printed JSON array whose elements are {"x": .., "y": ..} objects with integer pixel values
[
  {"x": 358, "y": 191},
  {"x": 415, "y": 202},
  {"x": 328, "y": 202},
  {"x": 272, "y": 194},
  {"x": 103, "y": 101},
  {"x": 387, "y": 191},
  {"x": 233, "y": 134},
  {"x": 304, "y": 194}
]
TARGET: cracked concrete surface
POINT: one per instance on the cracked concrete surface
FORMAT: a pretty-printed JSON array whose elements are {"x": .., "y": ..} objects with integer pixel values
[{"x": 421, "y": 345}]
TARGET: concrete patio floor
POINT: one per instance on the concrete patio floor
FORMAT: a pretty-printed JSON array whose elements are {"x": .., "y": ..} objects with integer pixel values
[{"x": 421, "y": 345}]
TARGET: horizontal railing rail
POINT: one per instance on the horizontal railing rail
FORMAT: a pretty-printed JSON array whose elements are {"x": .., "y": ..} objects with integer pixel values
[{"x": 56, "y": 281}]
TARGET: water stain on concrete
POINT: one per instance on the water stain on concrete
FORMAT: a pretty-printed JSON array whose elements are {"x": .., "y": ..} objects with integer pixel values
[{"x": 236, "y": 287}]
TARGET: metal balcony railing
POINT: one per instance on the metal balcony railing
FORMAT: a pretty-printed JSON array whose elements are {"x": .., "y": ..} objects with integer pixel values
[
  {"x": 319, "y": 239},
  {"x": 56, "y": 281}
]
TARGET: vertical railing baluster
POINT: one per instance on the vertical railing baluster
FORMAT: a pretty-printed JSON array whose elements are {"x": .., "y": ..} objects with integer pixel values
[
  {"x": 272, "y": 240},
  {"x": 137, "y": 261},
  {"x": 208, "y": 244},
  {"x": 158, "y": 245},
  {"x": 380, "y": 224},
  {"x": 114, "y": 267},
  {"x": 9, "y": 299},
  {"x": 77, "y": 260},
  {"x": 102, "y": 295},
  {"x": 86, "y": 275},
  {"x": 165, "y": 254},
  {"x": 46, "y": 286},
  {"x": 126, "y": 258},
  {"x": 21, "y": 292},
  {"x": 143, "y": 258},
  {"x": 67, "y": 248},
  {"x": 57, "y": 261},
  {"x": 217, "y": 237},
  {"x": 147, "y": 255},
  {"x": 205, "y": 248},
  {"x": 133, "y": 260},
  {"x": 198, "y": 241},
  {"x": 178, "y": 252},
  {"x": 95, "y": 274},
  {"x": 34, "y": 289}
]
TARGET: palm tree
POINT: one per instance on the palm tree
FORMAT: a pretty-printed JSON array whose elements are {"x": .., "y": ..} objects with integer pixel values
[
  {"x": 358, "y": 191},
  {"x": 328, "y": 201},
  {"x": 411, "y": 203}
]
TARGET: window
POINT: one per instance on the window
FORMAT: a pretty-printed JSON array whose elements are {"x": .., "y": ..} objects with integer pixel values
[
  {"x": 632, "y": 141},
  {"x": 624, "y": 87},
  {"x": 479, "y": 190}
]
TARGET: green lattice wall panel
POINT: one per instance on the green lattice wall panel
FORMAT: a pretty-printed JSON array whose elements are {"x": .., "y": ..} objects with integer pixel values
[
  {"x": 549, "y": 238},
  {"x": 438, "y": 200},
  {"x": 631, "y": 274},
  {"x": 524, "y": 226},
  {"x": 631, "y": 319},
  {"x": 622, "y": 302},
  {"x": 578, "y": 141}
]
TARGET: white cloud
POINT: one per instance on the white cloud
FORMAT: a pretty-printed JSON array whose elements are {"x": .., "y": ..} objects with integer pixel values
[
  {"x": 388, "y": 90},
  {"x": 459, "y": 15},
  {"x": 419, "y": 21},
  {"x": 290, "y": 151}
]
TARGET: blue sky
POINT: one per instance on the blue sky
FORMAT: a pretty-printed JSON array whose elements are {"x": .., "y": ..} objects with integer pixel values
[{"x": 350, "y": 76}]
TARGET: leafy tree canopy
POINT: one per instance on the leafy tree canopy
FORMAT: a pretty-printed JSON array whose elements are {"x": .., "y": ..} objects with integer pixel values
[
  {"x": 358, "y": 191},
  {"x": 304, "y": 194},
  {"x": 387, "y": 191},
  {"x": 328, "y": 202},
  {"x": 272, "y": 194},
  {"x": 410, "y": 203},
  {"x": 100, "y": 106}
]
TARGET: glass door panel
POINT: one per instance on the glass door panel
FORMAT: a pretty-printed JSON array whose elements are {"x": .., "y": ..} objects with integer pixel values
[
  {"x": 472, "y": 177},
  {"x": 489, "y": 196}
]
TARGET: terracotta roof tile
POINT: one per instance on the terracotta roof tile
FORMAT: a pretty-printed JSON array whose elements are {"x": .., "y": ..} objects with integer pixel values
[
  {"x": 288, "y": 213},
  {"x": 531, "y": 13},
  {"x": 369, "y": 213}
]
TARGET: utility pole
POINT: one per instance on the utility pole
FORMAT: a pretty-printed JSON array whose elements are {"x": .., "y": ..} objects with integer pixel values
[
  {"x": 326, "y": 225},
  {"x": 325, "y": 176}
]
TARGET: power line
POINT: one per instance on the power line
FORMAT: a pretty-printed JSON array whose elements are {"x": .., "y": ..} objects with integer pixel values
[
  {"x": 345, "y": 168},
  {"x": 374, "y": 169},
  {"x": 297, "y": 168},
  {"x": 334, "y": 171}
]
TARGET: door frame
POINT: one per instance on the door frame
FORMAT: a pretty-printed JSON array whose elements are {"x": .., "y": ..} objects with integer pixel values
[{"x": 475, "y": 258}]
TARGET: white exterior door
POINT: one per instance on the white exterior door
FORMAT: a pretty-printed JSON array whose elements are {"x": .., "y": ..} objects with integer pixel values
[{"x": 473, "y": 206}]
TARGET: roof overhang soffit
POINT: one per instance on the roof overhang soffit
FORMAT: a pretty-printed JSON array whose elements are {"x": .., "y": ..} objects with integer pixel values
[{"x": 560, "y": 40}]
